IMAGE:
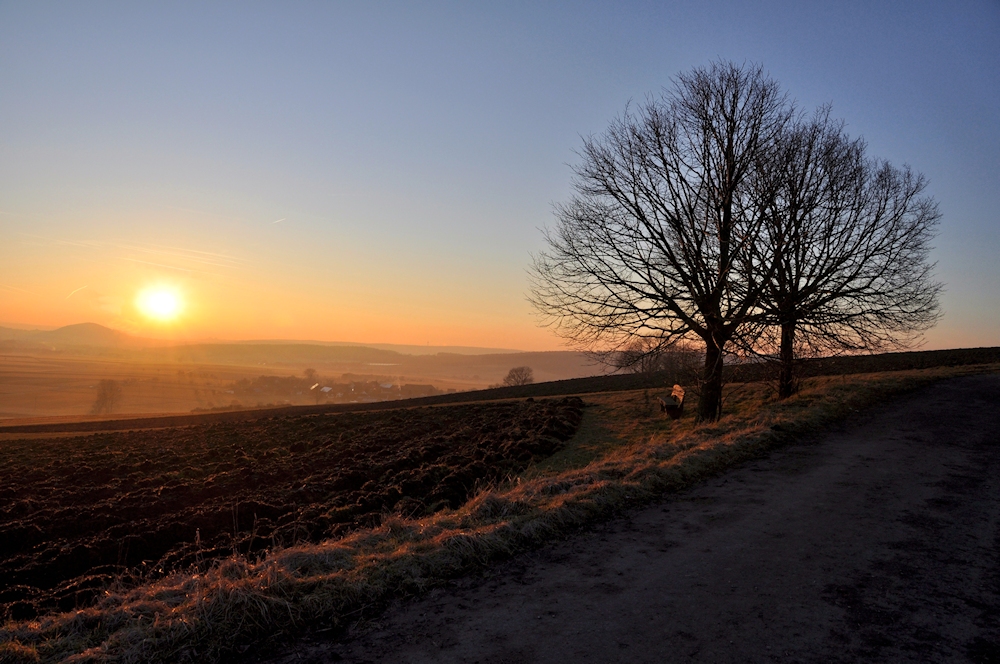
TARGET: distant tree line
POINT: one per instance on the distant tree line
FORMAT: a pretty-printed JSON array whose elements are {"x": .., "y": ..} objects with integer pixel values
[
  {"x": 721, "y": 213},
  {"x": 516, "y": 377}
]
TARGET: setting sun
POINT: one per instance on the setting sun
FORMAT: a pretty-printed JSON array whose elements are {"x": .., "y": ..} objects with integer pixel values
[{"x": 159, "y": 303}]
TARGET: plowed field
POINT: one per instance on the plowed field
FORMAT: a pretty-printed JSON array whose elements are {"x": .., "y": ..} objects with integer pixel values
[{"x": 76, "y": 514}]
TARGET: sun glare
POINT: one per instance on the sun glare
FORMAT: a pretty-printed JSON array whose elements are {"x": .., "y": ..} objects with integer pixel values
[{"x": 159, "y": 303}]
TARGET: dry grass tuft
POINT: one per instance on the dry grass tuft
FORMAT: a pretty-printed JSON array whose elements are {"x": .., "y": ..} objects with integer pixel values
[
  {"x": 14, "y": 652},
  {"x": 623, "y": 456}
]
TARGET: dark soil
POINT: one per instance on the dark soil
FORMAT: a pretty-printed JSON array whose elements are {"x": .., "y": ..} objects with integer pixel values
[{"x": 78, "y": 513}]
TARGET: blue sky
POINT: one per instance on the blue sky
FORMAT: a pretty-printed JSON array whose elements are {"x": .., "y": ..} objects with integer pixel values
[{"x": 413, "y": 151}]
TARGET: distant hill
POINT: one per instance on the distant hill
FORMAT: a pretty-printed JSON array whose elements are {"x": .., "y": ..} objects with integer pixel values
[
  {"x": 277, "y": 353},
  {"x": 407, "y": 349},
  {"x": 462, "y": 365},
  {"x": 92, "y": 334},
  {"x": 81, "y": 334}
]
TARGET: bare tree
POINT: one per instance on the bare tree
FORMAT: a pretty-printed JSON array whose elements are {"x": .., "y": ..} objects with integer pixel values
[
  {"x": 660, "y": 239},
  {"x": 850, "y": 236},
  {"x": 109, "y": 395},
  {"x": 519, "y": 376}
]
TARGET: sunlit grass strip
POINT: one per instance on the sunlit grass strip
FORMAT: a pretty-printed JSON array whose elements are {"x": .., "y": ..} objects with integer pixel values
[{"x": 239, "y": 603}]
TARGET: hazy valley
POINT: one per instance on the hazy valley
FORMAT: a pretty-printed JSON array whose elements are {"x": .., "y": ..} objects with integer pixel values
[{"x": 57, "y": 373}]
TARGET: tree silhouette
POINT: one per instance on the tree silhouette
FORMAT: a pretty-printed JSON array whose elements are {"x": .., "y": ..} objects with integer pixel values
[
  {"x": 660, "y": 240},
  {"x": 519, "y": 376},
  {"x": 851, "y": 237},
  {"x": 645, "y": 355},
  {"x": 109, "y": 395}
]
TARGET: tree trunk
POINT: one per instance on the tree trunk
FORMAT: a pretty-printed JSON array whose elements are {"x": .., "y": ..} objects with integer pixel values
[
  {"x": 786, "y": 356},
  {"x": 710, "y": 404}
]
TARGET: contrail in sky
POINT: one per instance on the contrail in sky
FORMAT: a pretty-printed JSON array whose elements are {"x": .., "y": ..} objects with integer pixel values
[
  {"x": 75, "y": 292},
  {"x": 279, "y": 221}
]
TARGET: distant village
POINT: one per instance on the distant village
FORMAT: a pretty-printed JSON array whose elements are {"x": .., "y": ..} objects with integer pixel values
[{"x": 312, "y": 388}]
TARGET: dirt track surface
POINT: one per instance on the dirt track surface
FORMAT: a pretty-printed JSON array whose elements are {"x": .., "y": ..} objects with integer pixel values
[{"x": 876, "y": 542}]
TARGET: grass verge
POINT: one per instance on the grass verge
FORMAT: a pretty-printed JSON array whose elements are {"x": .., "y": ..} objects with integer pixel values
[{"x": 624, "y": 455}]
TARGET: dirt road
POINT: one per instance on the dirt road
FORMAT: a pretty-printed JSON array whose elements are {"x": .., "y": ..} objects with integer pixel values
[{"x": 876, "y": 542}]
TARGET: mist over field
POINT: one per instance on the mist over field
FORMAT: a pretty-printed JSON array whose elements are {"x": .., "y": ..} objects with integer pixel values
[{"x": 59, "y": 373}]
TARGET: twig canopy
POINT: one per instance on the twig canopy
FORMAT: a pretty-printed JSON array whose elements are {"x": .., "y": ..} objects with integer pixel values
[
  {"x": 851, "y": 236},
  {"x": 661, "y": 238}
]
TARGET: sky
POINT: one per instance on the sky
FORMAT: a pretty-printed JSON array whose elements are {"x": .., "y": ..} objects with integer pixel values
[{"x": 382, "y": 172}]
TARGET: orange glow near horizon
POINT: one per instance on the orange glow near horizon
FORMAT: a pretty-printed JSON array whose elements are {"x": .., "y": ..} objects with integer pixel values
[{"x": 185, "y": 282}]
